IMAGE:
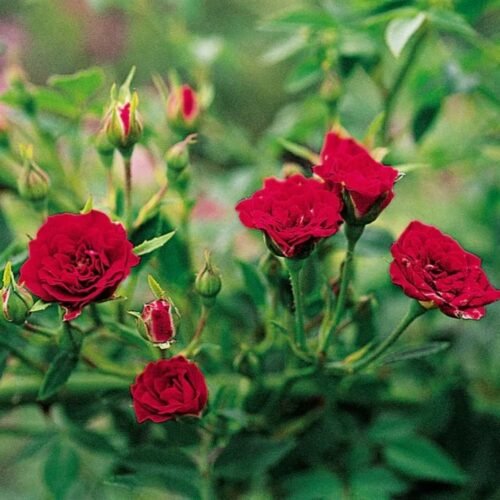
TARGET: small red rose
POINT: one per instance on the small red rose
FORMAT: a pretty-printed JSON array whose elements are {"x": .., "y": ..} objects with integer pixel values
[
  {"x": 77, "y": 259},
  {"x": 433, "y": 268},
  {"x": 169, "y": 388},
  {"x": 348, "y": 167},
  {"x": 294, "y": 213}
]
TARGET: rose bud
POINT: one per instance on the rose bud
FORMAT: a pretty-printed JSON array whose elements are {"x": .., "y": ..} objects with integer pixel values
[
  {"x": 156, "y": 323},
  {"x": 177, "y": 157},
  {"x": 168, "y": 389},
  {"x": 183, "y": 109},
  {"x": 16, "y": 303},
  {"x": 208, "y": 282},
  {"x": 434, "y": 269},
  {"x": 33, "y": 184},
  {"x": 294, "y": 214},
  {"x": 366, "y": 186},
  {"x": 123, "y": 125}
]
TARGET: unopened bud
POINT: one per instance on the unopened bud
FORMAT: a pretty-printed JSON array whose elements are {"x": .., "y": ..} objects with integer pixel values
[
  {"x": 177, "y": 157},
  {"x": 156, "y": 323},
  {"x": 16, "y": 300},
  {"x": 33, "y": 184},
  {"x": 183, "y": 109},
  {"x": 208, "y": 282}
]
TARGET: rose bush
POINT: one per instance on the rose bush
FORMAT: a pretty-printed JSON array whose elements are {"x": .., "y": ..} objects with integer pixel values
[
  {"x": 77, "y": 259},
  {"x": 432, "y": 267},
  {"x": 347, "y": 166},
  {"x": 169, "y": 388},
  {"x": 294, "y": 214}
]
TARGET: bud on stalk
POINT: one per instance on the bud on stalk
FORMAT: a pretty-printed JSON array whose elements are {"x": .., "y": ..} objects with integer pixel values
[
  {"x": 33, "y": 184},
  {"x": 208, "y": 282},
  {"x": 183, "y": 109},
  {"x": 156, "y": 323},
  {"x": 16, "y": 300}
]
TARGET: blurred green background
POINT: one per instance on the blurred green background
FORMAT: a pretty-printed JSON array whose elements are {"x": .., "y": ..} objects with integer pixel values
[{"x": 277, "y": 77}]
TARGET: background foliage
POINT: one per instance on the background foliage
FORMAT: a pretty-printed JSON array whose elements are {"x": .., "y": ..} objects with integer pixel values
[{"x": 418, "y": 428}]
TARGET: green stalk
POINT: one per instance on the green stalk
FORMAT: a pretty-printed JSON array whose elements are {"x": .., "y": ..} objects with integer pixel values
[
  {"x": 353, "y": 234},
  {"x": 195, "y": 341},
  {"x": 415, "y": 310},
  {"x": 127, "y": 163},
  {"x": 294, "y": 267}
]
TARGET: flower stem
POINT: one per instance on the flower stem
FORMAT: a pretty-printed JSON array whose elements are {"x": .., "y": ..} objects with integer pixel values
[
  {"x": 353, "y": 234},
  {"x": 415, "y": 310},
  {"x": 294, "y": 267},
  {"x": 393, "y": 92},
  {"x": 127, "y": 163},
  {"x": 195, "y": 341}
]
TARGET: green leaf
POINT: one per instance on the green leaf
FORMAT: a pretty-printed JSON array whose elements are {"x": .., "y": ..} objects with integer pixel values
[
  {"x": 254, "y": 284},
  {"x": 53, "y": 102},
  {"x": 313, "y": 485},
  {"x": 63, "y": 364},
  {"x": 400, "y": 30},
  {"x": 155, "y": 287},
  {"x": 250, "y": 455},
  {"x": 311, "y": 18},
  {"x": 284, "y": 50},
  {"x": 375, "y": 241},
  {"x": 419, "y": 458},
  {"x": 61, "y": 469},
  {"x": 300, "y": 151},
  {"x": 377, "y": 482},
  {"x": 40, "y": 305},
  {"x": 419, "y": 352},
  {"x": 4, "y": 356},
  {"x": 79, "y": 86},
  {"x": 423, "y": 120},
  {"x": 303, "y": 76},
  {"x": 449, "y": 21},
  {"x": 149, "y": 246},
  {"x": 89, "y": 204}
]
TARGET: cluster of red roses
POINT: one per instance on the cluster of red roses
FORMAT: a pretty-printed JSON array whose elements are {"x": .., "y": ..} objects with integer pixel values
[
  {"x": 351, "y": 186},
  {"x": 79, "y": 259}
]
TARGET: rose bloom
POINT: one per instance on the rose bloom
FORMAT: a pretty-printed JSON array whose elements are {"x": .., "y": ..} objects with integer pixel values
[
  {"x": 77, "y": 259},
  {"x": 346, "y": 165},
  {"x": 169, "y": 388},
  {"x": 293, "y": 213},
  {"x": 434, "y": 269}
]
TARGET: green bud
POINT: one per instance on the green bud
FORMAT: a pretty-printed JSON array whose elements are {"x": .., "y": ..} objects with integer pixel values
[
  {"x": 16, "y": 303},
  {"x": 33, "y": 184},
  {"x": 208, "y": 282},
  {"x": 177, "y": 157}
]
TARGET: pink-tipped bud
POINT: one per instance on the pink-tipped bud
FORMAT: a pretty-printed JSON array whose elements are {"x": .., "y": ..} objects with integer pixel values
[
  {"x": 156, "y": 323},
  {"x": 183, "y": 109}
]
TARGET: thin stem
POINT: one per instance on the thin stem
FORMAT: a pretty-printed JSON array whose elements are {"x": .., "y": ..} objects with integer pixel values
[
  {"x": 195, "y": 341},
  {"x": 393, "y": 92},
  {"x": 415, "y": 310},
  {"x": 205, "y": 465},
  {"x": 353, "y": 234},
  {"x": 294, "y": 267},
  {"x": 127, "y": 163},
  {"x": 18, "y": 353},
  {"x": 46, "y": 332}
]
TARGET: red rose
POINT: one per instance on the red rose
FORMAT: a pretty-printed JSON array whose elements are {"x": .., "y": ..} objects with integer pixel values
[
  {"x": 432, "y": 267},
  {"x": 294, "y": 214},
  {"x": 348, "y": 167},
  {"x": 77, "y": 259},
  {"x": 169, "y": 388}
]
